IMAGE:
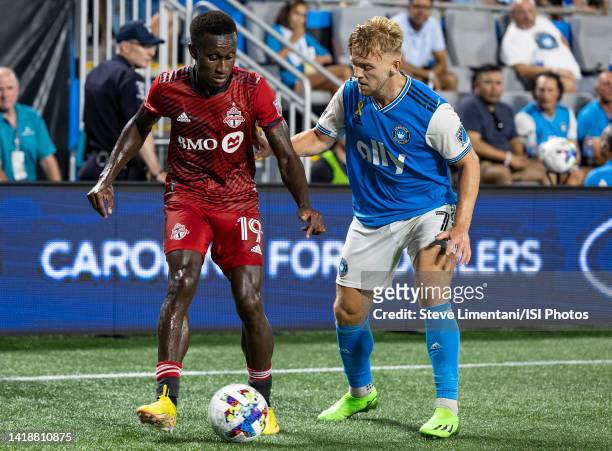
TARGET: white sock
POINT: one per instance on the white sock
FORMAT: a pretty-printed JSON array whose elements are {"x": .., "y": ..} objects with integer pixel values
[
  {"x": 360, "y": 392},
  {"x": 450, "y": 404}
]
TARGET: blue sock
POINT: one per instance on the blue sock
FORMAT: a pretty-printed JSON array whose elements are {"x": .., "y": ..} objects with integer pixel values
[
  {"x": 355, "y": 344},
  {"x": 442, "y": 338}
]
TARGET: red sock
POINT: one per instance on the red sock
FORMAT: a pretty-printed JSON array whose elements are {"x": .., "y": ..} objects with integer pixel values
[{"x": 168, "y": 373}]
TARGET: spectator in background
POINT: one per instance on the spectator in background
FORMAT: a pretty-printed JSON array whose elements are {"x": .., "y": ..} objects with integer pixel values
[
  {"x": 490, "y": 126},
  {"x": 532, "y": 45},
  {"x": 291, "y": 24},
  {"x": 593, "y": 119},
  {"x": 539, "y": 121},
  {"x": 602, "y": 176},
  {"x": 424, "y": 50},
  {"x": 114, "y": 92},
  {"x": 24, "y": 139}
]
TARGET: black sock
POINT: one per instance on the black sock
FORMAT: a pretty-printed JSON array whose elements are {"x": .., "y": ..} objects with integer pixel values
[
  {"x": 173, "y": 384},
  {"x": 264, "y": 387}
]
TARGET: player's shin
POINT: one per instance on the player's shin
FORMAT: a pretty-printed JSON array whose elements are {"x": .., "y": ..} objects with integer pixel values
[
  {"x": 355, "y": 344},
  {"x": 442, "y": 338}
]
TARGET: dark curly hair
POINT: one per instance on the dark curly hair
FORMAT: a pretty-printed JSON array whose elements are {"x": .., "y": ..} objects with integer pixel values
[{"x": 211, "y": 22}]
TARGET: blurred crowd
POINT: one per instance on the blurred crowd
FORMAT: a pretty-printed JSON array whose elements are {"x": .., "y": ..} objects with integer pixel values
[{"x": 506, "y": 137}]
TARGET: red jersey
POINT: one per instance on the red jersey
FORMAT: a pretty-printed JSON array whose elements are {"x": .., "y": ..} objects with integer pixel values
[{"x": 210, "y": 150}]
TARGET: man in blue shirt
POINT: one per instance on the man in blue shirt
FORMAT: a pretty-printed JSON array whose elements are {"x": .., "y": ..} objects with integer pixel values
[
  {"x": 24, "y": 139},
  {"x": 400, "y": 138},
  {"x": 490, "y": 126},
  {"x": 114, "y": 92},
  {"x": 602, "y": 176},
  {"x": 593, "y": 118}
]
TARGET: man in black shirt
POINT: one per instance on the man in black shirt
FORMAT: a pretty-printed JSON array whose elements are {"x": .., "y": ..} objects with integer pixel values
[
  {"x": 490, "y": 126},
  {"x": 114, "y": 92}
]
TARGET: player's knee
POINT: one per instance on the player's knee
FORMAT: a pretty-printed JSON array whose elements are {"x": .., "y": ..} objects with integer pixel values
[
  {"x": 248, "y": 303},
  {"x": 182, "y": 282},
  {"x": 347, "y": 314}
]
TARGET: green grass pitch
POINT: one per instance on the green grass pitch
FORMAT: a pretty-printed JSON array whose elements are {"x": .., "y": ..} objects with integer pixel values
[{"x": 543, "y": 406}]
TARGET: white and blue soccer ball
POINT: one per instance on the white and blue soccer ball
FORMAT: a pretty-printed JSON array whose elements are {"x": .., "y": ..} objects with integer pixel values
[
  {"x": 237, "y": 413},
  {"x": 558, "y": 154}
]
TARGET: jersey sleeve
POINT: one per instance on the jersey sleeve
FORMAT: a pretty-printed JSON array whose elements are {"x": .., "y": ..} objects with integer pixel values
[
  {"x": 331, "y": 122},
  {"x": 267, "y": 107},
  {"x": 153, "y": 103},
  {"x": 446, "y": 134},
  {"x": 438, "y": 37}
]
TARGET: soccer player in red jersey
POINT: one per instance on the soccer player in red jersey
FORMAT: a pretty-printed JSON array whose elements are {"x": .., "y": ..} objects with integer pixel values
[{"x": 211, "y": 197}]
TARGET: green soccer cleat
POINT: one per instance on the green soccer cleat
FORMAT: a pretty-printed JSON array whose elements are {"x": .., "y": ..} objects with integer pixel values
[
  {"x": 442, "y": 424},
  {"x": 347, "y": 406}
]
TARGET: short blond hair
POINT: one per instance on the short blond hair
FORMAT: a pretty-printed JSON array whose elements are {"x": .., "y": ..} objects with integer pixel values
[{"x": 378, "y": 35}]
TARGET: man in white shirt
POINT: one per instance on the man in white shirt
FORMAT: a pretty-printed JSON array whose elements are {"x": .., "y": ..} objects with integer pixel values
[
  {"x": 533, "y": 45},
  {"x": 424, "y": 51}
]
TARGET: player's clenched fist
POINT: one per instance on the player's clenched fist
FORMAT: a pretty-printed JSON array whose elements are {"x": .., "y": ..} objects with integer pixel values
[
  {"x": 101, "y": 199},
  {"x": 314, "y": 219}
]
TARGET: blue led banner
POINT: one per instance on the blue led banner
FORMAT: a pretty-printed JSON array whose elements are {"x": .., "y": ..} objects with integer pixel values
[{"x": 65, "y": 269}]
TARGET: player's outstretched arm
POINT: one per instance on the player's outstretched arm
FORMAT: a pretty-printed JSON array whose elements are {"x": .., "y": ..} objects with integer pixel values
[
  {"x": 469, "y": 181},
  {"x": 128, "y": 145},
  {"x": 311, "y": 142},
  {"x": 292, "y": 173}
]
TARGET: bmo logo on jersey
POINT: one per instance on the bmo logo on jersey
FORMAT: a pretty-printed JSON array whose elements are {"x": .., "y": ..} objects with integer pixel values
[{"x": 230, "y": 142}]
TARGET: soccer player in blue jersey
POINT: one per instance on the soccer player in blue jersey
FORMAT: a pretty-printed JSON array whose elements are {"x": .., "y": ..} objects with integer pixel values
[{"x": 400, "y": 138}]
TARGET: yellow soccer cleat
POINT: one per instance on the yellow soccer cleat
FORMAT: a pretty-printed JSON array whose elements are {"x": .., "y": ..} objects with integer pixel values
[
  {"x": 272, "y": 426},
  {"x": 161, "y": 414}
]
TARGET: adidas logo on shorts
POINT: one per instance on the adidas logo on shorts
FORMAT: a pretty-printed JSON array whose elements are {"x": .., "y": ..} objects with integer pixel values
[
  {"x": 183, "y": 117},
  {"x": 256, "y": 249}
]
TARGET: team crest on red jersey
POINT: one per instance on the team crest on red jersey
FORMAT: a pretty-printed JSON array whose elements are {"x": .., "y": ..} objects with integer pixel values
[
  {"x": 179, "y": 231},
  {"x": 234, "y": 117}
]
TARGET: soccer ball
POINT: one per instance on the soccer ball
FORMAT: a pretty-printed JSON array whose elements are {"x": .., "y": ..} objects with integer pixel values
[
  {"x": 237, "y": 413},
  {"x": 558, "y": 154}
]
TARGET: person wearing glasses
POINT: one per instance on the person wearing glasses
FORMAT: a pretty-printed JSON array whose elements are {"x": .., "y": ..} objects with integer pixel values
[
  {"x": 114, "y": 92},
  {"x": 490, "y": 126},
  {"x": 424, "y": 54}
]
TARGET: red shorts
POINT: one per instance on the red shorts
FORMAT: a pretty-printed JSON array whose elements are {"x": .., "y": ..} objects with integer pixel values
[{"x": 237, "y": 237}]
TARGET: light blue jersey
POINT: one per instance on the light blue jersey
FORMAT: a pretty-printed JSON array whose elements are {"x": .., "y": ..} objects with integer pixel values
[
  {"x": 532, "y": 123},
  {"x": 592, "y": 120},
  {"x": 396, "y": 157}
]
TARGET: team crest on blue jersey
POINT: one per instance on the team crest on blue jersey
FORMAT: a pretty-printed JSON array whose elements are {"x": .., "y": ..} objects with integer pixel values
[
  {"x": 343, "y": 267},
  {"x": 461, "y": 135},
  {"x": 546, "y": 41},
  {"x": 401, "y": 135}
]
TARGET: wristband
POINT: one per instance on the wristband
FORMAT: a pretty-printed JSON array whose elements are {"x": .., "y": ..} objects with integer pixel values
[{"x": 508, "y": 159}]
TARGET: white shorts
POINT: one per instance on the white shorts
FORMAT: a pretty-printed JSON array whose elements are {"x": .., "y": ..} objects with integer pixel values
[{"x": 370, "y": 255}]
